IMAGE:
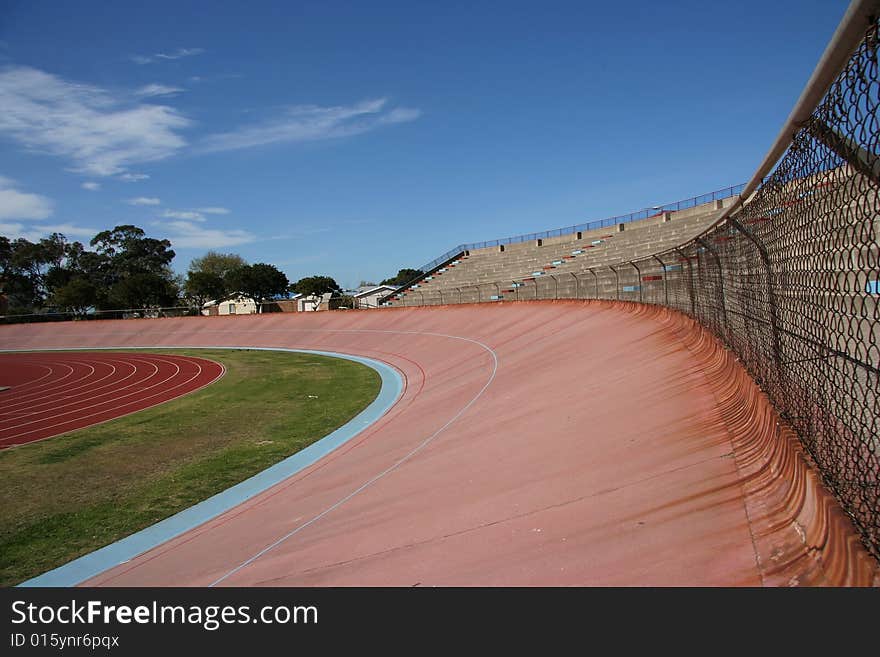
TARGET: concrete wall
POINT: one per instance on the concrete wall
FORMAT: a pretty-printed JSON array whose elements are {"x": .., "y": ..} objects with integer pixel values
[{"x": 280, "y": 306}]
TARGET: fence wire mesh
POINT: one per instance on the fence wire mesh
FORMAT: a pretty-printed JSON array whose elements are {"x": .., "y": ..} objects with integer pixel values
[{"x": 789, "y": 282}]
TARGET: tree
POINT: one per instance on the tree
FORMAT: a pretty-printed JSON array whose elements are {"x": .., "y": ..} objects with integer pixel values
[
  {"x": 76, "y": 296},
  {"x": 344, "y": 301},
  {"x": 124, "y": 259},
  {"x": 143, "y": 290},
  {"x": 203, "y": 286},
  {"x": 403, "y": 277},
  {"x": 28, "y": 270},
  {"x": 219, "y": 264},
  {"x": 208, "y": 276},
  {"x": 131, "y": 252},
  {"x": 126, "y": 268},
  {"x": 316, "y": 286},
  {"x": 21, "y": 294},
  {"x": 259, "y": 282}
]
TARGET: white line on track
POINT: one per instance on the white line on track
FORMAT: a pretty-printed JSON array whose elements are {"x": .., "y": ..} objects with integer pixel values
[
  {"x": 104, "y": 403},
  {"x": 53, "y": 381},
  {"x": 19, "y": 386},
  {"x": 78, "y": 418},
  {"x": 389, "y": 469},
  {"x": 22, "y": 400}
]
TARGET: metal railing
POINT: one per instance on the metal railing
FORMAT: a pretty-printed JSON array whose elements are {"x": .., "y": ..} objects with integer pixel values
[
  {"x": 789, "y": 276},
  {"x": 116, "y": 313}
]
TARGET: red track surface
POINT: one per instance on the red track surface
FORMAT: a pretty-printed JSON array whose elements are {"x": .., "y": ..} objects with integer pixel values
[
  {"x": 534, "y": 443},
  {"x": 55, "y": 392}
]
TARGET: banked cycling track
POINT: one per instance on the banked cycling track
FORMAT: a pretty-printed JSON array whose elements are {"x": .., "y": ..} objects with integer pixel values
[{"x": 542, "y": 443}]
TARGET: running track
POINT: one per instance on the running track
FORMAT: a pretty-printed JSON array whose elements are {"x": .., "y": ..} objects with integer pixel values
[
  {"x": 51, "y": 393},
  {"x": 548, "y": 443}
]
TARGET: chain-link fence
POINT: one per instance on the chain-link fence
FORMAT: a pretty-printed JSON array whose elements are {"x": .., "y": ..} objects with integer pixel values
[
  {"x": 789, "y": 281},
  {"x": 56, "y": 315},
  {"x": 333, "y": 302}
]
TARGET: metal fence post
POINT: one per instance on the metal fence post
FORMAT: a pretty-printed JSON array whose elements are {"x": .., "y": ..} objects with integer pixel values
[
  {"x": 638, "y": 278},
  {"x": 690, "y": 281},
  {"x": 714, "y": 253},
  {"x": 771, "y": 294},
  {"x": 663, "y": 276}
]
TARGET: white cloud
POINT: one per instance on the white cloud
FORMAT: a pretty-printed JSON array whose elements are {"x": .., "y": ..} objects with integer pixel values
[
  {"x": 310, "y": 123},
  {"x": 21, "y": 205},
  {"x": 91, "y": 186},
  {"x": 400, "y": 115},
  {"x": 69, "y": 230},
  {"x": 103, "y": 135},
  {"x": 177, "y": 54},
  {"x": 186, "y": 234},
  {"x": 153, "y": 90},
  {"x": 16, "y": 230},
  {"x": 133, "y": 177},
  {"x": 143, "y": 200},
  {"x": 214, "y": 78},
  {"x": 188, "y": 215},
  {"x": 193, "y": 215}
]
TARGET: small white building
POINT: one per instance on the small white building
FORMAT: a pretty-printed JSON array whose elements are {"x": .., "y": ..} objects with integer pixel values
[
  {"x": 239, "y": 305},
  {"x": 368, "y": 297},
  {"x": 313, "y": 302}
]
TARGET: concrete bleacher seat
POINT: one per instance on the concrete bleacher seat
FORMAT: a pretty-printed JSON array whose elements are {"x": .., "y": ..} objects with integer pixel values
[{"x": 509, "y": 272}]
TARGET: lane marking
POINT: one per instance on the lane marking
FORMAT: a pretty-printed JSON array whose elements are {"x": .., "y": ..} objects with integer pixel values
[
  {"x": 115, "y": 417},
  {"x": 62, "y": 391},
  {"x": 78, "y": 418},
  {"x": 387, "y": 471}
]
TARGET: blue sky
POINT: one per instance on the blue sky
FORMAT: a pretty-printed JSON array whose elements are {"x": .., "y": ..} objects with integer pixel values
[{"x": 351, "y": 139}]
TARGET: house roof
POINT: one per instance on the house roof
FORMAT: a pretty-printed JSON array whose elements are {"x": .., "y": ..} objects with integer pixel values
[{"x": 372, "y": 290}]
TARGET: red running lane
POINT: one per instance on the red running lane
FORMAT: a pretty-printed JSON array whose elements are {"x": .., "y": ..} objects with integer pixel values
[
  {"x": 544, "y": 443},
  {"x": 51, "y": 393}
]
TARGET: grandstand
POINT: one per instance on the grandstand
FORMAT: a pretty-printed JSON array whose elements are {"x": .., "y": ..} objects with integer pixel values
[{"x": 511, "y": 268}]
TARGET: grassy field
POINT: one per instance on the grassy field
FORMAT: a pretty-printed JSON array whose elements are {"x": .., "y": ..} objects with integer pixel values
[{"x": 66, "y": 496}]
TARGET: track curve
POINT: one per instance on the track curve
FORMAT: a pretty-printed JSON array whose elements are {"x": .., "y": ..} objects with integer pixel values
[
  {"x": 534, "y": 443},
  {"x": 51, "y": 393}
]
